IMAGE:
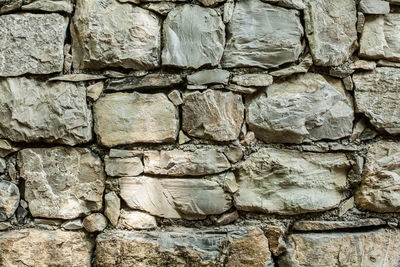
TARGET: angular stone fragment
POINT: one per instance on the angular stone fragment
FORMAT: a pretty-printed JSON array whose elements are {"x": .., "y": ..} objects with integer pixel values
[
  {"x": 50, "y": 6},
  {"x": 374, "y": 7},
  {"x": 174, "y": 198},
  {"x": 3, "y": 165},
  {"x": 147, "y": 82},
  {"x": 210, "y": 3},
  {"x": 6, "y": 148},
  {"x": 302, "y": 106},
  {"x": 95, "y": 222},
  {"x": 175, "y": 97},
  {"x": 162, "y": 8},
  {"x": 126, "y": 118},
  {"x": 304, "y": 65},
  {"x": 241, "y": 89},
  {"x": 212, "y": 114},
  {"x": 332, "y": 225},
  {"x": 120, "y": 153},
  {"x": 34, "y": 111},
  {"x": 136, "y": 220},
  {"x": 291, "y": 182},
  {"x": 253, "y": 79},
  {"x": 331, "y": 30},
  {"x": 112, "y": 34},
  {"x": 9, "y": 199},
  {"x": 229, "y": 6},
  {"x": 296, "y": 4},
  {"x": 31, "y": 247},
  {"x": 209, "y": 77},
  {"x": 112, "y": 207},
  {"x": 180, "y": 163},
  {"x": 227, "y": 218},
  {"x": 94, "y": 91},
  {"x": 276, "y": 235},
  {"x": 35, "y": 46},
  {"x": 62, "y": 182},
  {"x": 123, "y": 167},
  {"x": 262, "y": 35},
  {"x": 73, "y": 224}
]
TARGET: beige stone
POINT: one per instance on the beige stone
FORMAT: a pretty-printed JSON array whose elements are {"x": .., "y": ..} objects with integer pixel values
[
  {"x": 253, "y": 79},
  {"x": 94, "y": 91},
  {"x": 123, "y": 166},
  {"x": 333, "y": 225},
  {"x": 112, "y": 207},
  {"x": 9, "y": 199},
  {"x": 136, "y": 220},
  {"x": 95, "y": 222}
]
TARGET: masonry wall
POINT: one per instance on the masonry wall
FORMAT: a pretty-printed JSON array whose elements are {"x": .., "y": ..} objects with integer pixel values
[{"x": 199, "y": 133}]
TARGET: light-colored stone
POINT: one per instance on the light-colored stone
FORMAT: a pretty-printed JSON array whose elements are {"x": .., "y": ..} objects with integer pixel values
[
  {"x": 175, "y": 97},
  {"x": 112, "y": 207},
  {"x": 9, "y": 199},
  {"x": 95, "y": 222},
  {"x": 123, "y": 166},
  {"x": 136, "y": 220},
  {"x": 374, "y": 7},
  {"x": 3, "y": 165},
  {"x": 234, "y": 154},
  {"x": 347, "y": 205},
  {"x": 209, "y": 77},
  {"x": 111, "y": 34},
  {"x": 183, "y": 138},
  {"x": 348, "y": 83},
  {"x": 79, "y": 77},
  {"x": 50, "y": 6},
  {"x": 229, "y": 6},
  {"x": 75, "y": 224},
  {"x": 94, "y": 91},
  {"x": 363, "y": 65},
  {"x": 227, "y": 218},
  {"x": 62, "y": 182},
  {"x": 262, "y": 35},
  {"x": 360, "y": 22},
  {"x": 162, "y": 8},
  {"x": 34, "y": 111},
  {"x": 6, "y": 148},
  {"x": 302, "y": 67},
  {"x": 125, "y": 118},
  {"x": 4, "y": 226},
  {"x": 296, "y": 4},
  {"x": 122, "y": 153},
  {"x": 241, "y": 89},
  {"x": 193, "y": 36},
  {"x": 253, "y": 79},
  {"x": 146, "y": 82},
  {"x": 358, "y": 129},
  {"x": 387, "y": 63},
  {"x": 210, "y": 3},
  {"x": 35, "y": 46},
  {"x": 333, "y": 225},
  {"x": 229, "y": 182},
  {"x": 291, "y": 182}
]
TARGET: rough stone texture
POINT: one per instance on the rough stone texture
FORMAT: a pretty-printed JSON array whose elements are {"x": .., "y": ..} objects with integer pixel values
[
  {"x": 32, "y": 247},
  {"x": 262, "y": 35},
  {"x": 32, "y": 111},
  {"x": 374, "y": 7},
  {"x": 35, "y": 46},
  {"x": 9, "y": 199},
  {"x": 209, "y": 77},
  {"x": 291, "y": 182},
  {"x": 193, "y": 36},
  {"x": 181, "y": 163},
  {"x": 303, "y": 106},
  {"x": 343, "y": 249},
  {"x": 376, "y": 95},
  {"x": 331, "y": 30},
  {"x": 123, "y": 167},
  {"x": 147, "y": 82},
  {"x": 95, "y": 222},
  {"x": 174, "y": 198},
  {"x": 111, "y": 34},
  {"x": 94, "y": 91},
  {"x": 50, "y": 6},
  {"x": 6, "y": 148},
  {"x": 254, "y": 79},
  {"x": 112, "y": 207},
  {"x": 333, "y": 225},
  {"x": 62, "y": 182},
  {"x": 212, "y": 114},
  {"x": 136, "y": 220},
  {"x": 123, "y": 118}
]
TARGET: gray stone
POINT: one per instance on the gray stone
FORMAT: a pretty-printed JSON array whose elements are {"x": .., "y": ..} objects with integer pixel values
[
  {"x": 73, "y": 224},
  {"x": 291, "y": 182},
  {"x": 50, "y": 6},
  {"x": 9, "y": 199},
  {"x": 333, "y": 225},
  {"x": 123, "y": 166},
  {"x": 4, "y": 226},
  {"x": 111, "y": 34},
  {"x": 112, "y": 207},
  {"x": 9, "y": 5},
  {"x": 346, "y": 205},
  {"x": 136, "y": 220},
  {"x": 210, "y": 3},
  {"x": 296, "y": 4},
  {"x": 95, "y": 222},
  {"x": 34, "y": 111},
  {"x": 79, "y": 77},
  {"x": 360, "y": 22},
  {"x": 253, "y": 79},
  {"x": 302, "y": 67},
  {"x": 331, "y": 30},
  {"x": 175, "y": 97},
  {"x": 363, "y": 65},
  {"x": 147, "y": 82},
  {"x": 234, "y": 154},
  {"x": 62, "y": 182},
  {"x": 94, "y": 91},
  {"x": 3, "y": 165},
  {"x": 241, "y": 89},
  {"x": 374, "y": 7},
  {"x": 227, "y": 218},
  {"x": 209, "y": 77},
  {"x": 6, "y": 148},
  {"x": 162, "y": 8},
  {"x": 386, "y": 63},
  {"x": 121, "y": 153},
  {"x": 262, "y": 35},
  {"x": 193, "y": 36},
  {"x": 229, "y": 6}
]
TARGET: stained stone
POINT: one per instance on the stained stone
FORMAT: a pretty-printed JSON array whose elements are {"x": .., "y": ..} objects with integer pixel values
[
  {"x": 52, "y": 112},
  {"x": 175, "y": 97},
  {"x": 209, "y": 77},
  {"x": 193, "y": 37},
  {"x": 227, "y": 218},
  {"x": 136, "y": 220},
  {"x": 374, "y": 7},
  {"x": 262, "y": 35},
  {"x": 241, "y": 89},
  {"x": 50, "y": 6},
  {"x": 111, "y": 34},
  {"x": 147, "y": 82},
  {"x": 95, "y": 222},
  {"x": 332, "y": 225},
  {"x": 62, "y": 182},
  {"x": 331, "y": 30},
  {"x": 126, "y": 118},
  {"x": 112, "y": 207},
  {"x": 123, "y": 167},
  {"x": 9, "y": 199},
  {"x": 291, "y": 182}
]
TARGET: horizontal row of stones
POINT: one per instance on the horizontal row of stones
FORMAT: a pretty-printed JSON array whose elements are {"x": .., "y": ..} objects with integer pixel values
[{"x": 259, "y": 34}]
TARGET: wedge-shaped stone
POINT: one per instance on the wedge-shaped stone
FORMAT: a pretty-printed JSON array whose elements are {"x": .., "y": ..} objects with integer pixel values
[
  {"x": 112, "y": 34},
  {"x": 124, "y": 118},
  {"x": 291, "y": 182},
  {"x": 35, "y": 46},
  {"x": 62, "y": 182},
  {"x": 53, "y": 112},
  {"x": 303, "y": 106},
  {"x": 180, "y": 163},
  {"x": 31, "y": 247},
  {"x": 193, "y": 36},
  {"x": 9, "y": 199},
  {"x": 174, "y": 198},
  {"x": 262, "y": 35}
]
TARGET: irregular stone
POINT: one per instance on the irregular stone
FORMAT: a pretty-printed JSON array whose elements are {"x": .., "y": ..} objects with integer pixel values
[
  {"x": 348, "y": 83},
  {"x": 363, "y": 65},
  {"x": 147, "y": 82},
  {"x": 112, "y": 207},
  {"x": 229, "y": 6},
  {"x": 6, "y": 148},
  {"x": 32, "y": 247},
  {"x": 213, "y": 115},
  {"x": 126, "y": 118},
  {"x": 180, "y": 163},
  {"x": 234, "y": 154},
  {"x": 229, "y": 183},
  {"x": 196, "y": 87},
  {"x": 360, "y": 22},
  {"x": 241, "y": 89},
  {"x": 120, "y": 153},
  {"x": 73, "y": 224},
  {"x": 50, "y": 6},
  {"x": 9, "y": 199},
  {"x": 193, "y": 43},
  {"x": 227, "y": 218},
  {"x": 291, "y": 182},
  {"x": 47, "y": 223},
  {"x": 9, "y": 5},
  {"x": 114, "y": 35},
  {"x": 209, "y": 77},
  {"x": 333, "y": 225},
  {"x": 247, "y": 44},
  {"x": 80, "y": 77},
  {"x": 331, "y": 30},
  {"x": 374, "y": 7},
  {"x": 34, "y": 111},
  {"x": 317, "y": 110},
  {"x": 346, "y": 206},
  {"x": 358, "y": 129},
  {"x": 95, "y": 222},
  {"x": 253, "y": 79},
  {"x": 136, "y": 220},
  {"x": 174, "y": 198},
  {"x": 183, "y": 138},
  {"x": 303, "y": 67},
  {"x": 175, "y": 97},
  {"x": 3, "y": 165},
  {"x": 162, "y": 8},
  {"x": 94, "y": 91},
  {"x": 296, "y": 4},
  {"x": 210, "y": 3},
  {"x": 386, "y": 63},
  {"x": 276, "y": 235},
  {"x": 4, "y": 226},
  {"x": 35, "y": 46},
  {"x": 123, "y": 167},
  {"x": 62, "y": 182}
]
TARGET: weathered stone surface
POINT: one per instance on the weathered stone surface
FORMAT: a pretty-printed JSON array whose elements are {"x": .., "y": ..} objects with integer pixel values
[
  {"x": 227, "y": 218},
  {"x": 209, "y": 77},
  {"x": 31, "y": 111},
  {"x": 112, "y": 207},
  {"x": 212, "y": 114},
  {"x": 6, "y": 148},
  {"x": 121, "y": 153},
  {"x": 343, "y": 249},
  {"x": 79, "y": 77},
  {"x": 332, "y": 225},
  {"x": 35, "y": 46},
  {"x": 123, "y": 167},
  {"x": 175, "y": 97},
  {"x": 304, "y": 65},
  {"x": 147, "y": 82},
  {"x": 331, "y": 30},
  {"x": 374, "y": 7},
  {"x": 291, "y": 182},
  {"x": 112, "y": 34},
  {"x": 3, "y": 165},
  {"x": 376, "y": 95},
  {"x": 75, "y": 224},
  {"x": 94, "y": 91},
  {"x": 9, "y": 199},
  {"x": 136, "y": 220},
  {"x": 31, "y": 247},
  {"x": 162, "y": 8},
  {"x": 125, "y": 118},
  {"x": 180, "y": 163},
  {"x": 241, "y": 89},
  {"x": 302, "y": 106},
  {"x": 229, "y": 6},
  {"x": 363, "y": 65},
  {"x": 276, "y": 235},
  {"x": 50, "y": 6},
  {"x": 174, "y": 198},
  {"x": 262, "y": 35},
  {"x": 210, "y": 3},
  {"x": 193, "y": 36},
  {"x": 234, "y": 154},
  {"x": 380, "y": 37},
  {"x": 296, "y": 4},
  {"x": 253, "y": 79},
  {"x": 95, "y": 222},
  {"x": 62, "y": 182}
]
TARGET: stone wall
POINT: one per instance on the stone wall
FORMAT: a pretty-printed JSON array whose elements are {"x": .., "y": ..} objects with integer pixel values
[{"x": 209, "y": 133}]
